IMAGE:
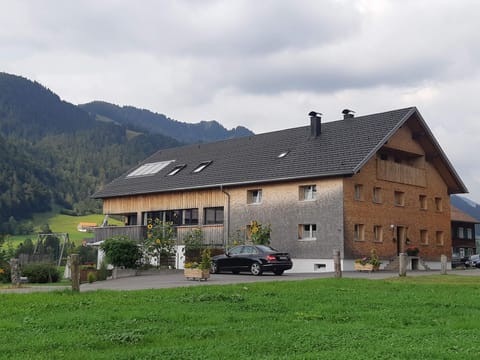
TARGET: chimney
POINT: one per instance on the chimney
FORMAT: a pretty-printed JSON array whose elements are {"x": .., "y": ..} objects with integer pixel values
[
  {"x": 315, "y": 123},
  {"x": 347, "y": 113}
]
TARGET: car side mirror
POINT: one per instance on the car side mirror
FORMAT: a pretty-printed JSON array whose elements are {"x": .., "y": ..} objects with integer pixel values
[{"x": 227, "y": 253}]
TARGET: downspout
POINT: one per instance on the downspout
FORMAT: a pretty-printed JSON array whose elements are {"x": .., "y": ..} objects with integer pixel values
[{"x": 226, "y": 230}]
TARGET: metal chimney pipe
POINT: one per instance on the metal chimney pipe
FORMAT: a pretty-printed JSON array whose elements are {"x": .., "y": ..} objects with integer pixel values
[{"x": 315, "y": 123}]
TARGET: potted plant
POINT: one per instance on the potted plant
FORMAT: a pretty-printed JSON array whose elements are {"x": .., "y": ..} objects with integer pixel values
[
  {"x": 199, "y": 271},
  {"x": 368, "y": 263}
]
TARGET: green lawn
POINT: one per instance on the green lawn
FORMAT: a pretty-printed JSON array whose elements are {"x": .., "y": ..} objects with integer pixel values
[
  {"x": 64, "y": 224},
  {"x": 412, "y": 318}
]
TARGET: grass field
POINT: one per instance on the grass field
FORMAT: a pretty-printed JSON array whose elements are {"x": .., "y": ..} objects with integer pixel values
[
  {"x": 64, "y": 224},
  {"x": 412, "y": 318}
]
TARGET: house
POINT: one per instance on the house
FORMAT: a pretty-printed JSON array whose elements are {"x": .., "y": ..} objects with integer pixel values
[
  {"x": 86, "y": 226},
  {"x": 463, "y": 233},
  {"x": 379, "y": 182}
]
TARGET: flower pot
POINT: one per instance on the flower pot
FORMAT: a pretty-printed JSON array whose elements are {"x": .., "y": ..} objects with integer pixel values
[
  {"x": 196, "y": 274},
  {"x": 366, "y": 267}
]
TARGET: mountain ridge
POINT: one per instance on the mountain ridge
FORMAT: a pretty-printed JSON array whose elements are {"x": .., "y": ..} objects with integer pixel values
[{"x": 56, "y": 154}]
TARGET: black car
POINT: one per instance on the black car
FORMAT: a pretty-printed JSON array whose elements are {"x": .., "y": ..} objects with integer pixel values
[
  {"x": 460, "y": 262},
  {"x": 253, "y": 258}
]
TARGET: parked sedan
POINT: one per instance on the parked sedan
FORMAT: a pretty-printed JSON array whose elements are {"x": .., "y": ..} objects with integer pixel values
[
  {"x": 253, "y": 258},
  {"x": 475, "y": 260}
]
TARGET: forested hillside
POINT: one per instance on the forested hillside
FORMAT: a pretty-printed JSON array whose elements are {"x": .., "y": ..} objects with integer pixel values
[
  {"x": 145, "y": 120},
  {"x": 55, "y": 154}
]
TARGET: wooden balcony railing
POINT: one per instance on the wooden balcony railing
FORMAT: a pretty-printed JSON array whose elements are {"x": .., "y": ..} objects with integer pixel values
[{"x": 400, "y": 173}]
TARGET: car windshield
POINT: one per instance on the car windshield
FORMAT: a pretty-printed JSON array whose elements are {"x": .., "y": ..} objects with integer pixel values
[{"x": 265, "y": 248}]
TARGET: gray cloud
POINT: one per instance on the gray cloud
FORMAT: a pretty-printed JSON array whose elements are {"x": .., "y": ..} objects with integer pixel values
[{"x": 262, "y": 64}]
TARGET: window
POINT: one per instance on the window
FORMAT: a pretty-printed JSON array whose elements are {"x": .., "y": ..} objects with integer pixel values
[
  {"x": 439, "y": 238},
  {"x": 399, "y": 198},
  {"x": 213, "y": 215},
  {"x": 358, "y": 194},
  {"x": 378, "y": 233},
  {"x": 190, "y": 217},
  {"x": 176, "y": 170},
  {"x": 424, "y": 237},
  {"x": 460, "y": 233},
  {"x": 308, "y": 192},
  {"x": 377, "y": 195},
  {"x": 469, "y": 234},
  {"x": 307, "y": 232},
  {"x": 359, "y": 232},
  {"x": 202, "y": 166},
  {"x": 254, "y": 196},
  {"x": 149, "y": 168},
  {"x": 283, "y": 154},
  {"x": 438, "y": 204},
  {"x": 423, "y": 202}
]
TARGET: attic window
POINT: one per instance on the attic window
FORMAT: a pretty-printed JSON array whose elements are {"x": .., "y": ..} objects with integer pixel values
[
  {"x": 149, "y": 168},
  {"x": 176, "y": 170},
  {"x": 283, "y": 154},
  {"x": 202, "y": 166}
]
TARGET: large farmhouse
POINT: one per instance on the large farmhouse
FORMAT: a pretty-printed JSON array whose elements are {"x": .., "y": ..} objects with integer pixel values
[{"x": 379, "y": 182}]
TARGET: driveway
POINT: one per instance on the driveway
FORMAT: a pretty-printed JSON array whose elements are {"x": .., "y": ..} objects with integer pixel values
[{"x": 170, "y": 279}]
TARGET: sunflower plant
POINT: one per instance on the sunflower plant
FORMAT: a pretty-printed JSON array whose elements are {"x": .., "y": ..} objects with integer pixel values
[
  {"x": 160, "y": 239},
  {"x": 259, "y": 233}
]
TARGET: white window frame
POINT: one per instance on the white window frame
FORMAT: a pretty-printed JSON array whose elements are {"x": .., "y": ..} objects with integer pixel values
[
  {"x": 254, "y": 196},
  {"x": 308, "y": 192},
  {"x": 307, "y": 232}
]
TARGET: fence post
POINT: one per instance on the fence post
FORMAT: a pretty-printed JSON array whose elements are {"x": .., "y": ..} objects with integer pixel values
[
  {"x": 402, "y": 267},
  {"x": 443, "y": 260},
  {"x": 75, "y": 262},
  {"x": 15, "y": 272},
  {"x": 336, "y": 263}
]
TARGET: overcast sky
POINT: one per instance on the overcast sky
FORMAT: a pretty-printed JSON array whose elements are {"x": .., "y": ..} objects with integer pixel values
[{"x": 263, "y": 64}]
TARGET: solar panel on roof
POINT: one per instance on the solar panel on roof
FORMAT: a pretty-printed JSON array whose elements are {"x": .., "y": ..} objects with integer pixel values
[{"x": 149, "y": 168}]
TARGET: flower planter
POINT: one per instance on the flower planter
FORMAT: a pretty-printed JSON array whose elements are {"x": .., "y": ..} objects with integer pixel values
[
  {"x": 366, "y": 267},
  {"x": 196, "y": 274}
]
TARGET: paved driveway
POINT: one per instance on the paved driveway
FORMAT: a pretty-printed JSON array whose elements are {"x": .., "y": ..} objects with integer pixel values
[{"x": 172, "y": 279}]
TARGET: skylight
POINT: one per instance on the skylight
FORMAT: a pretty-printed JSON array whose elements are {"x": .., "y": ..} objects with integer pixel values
[
  {"x": 202, "y": 166},
  {"x": 175, "y": 170},
  {"x": 149, "y": 168},
  {"x": 283, "y": 154}
]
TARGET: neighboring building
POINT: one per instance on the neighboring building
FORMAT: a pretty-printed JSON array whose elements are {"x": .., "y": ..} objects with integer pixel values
[
  {"x": 370, "y": 182},
  {"x": 86, "y": 226},
  {"x": 463, "y": 233}
]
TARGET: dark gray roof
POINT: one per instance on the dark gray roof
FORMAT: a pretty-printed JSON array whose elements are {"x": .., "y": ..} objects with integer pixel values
[{"x": 341, "y": 149}]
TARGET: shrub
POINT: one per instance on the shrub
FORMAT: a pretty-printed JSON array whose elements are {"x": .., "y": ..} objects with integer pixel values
[
  {"x": 122, "y": 251},
  {"x": 41, "y": 273},
  {"x": 91, "y": 277}
]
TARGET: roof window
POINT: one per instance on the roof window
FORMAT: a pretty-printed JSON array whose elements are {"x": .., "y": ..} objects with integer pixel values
[
  {"x": 283, "y": 154},
  {"x": 176, "y": 170},
  {"x": 149, "y": 168},
  {"x": 202, "y": 166}
]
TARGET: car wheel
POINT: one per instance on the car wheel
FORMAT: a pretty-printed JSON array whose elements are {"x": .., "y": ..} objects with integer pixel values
[
  {"x": 278, "y": 272},
  {"x": 214, "y": 269},
  {"x": 256, "y": 269}
]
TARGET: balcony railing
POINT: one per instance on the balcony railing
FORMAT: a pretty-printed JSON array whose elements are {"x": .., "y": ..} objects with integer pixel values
[
  {"x": 212, "y": 234},
  {"x": 400, "y": 173}
]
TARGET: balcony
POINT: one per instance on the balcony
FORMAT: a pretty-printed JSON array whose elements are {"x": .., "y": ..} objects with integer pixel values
[
  {"x": 212, "y": 234},
  {"x": 400, "y": 173}
]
